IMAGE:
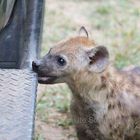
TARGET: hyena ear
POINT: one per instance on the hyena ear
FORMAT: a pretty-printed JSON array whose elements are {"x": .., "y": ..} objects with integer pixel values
[
  {"x": 98, "y": 59},
  {"x": 83, "y": 32}
]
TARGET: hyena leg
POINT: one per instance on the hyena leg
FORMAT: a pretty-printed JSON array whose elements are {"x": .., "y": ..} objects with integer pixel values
[
  {"x": 82, "y": 135},
  {"x": 116, "y": 136}
]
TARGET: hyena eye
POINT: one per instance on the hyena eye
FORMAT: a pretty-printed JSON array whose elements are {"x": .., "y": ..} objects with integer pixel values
[{"x": 61, "y": 61}]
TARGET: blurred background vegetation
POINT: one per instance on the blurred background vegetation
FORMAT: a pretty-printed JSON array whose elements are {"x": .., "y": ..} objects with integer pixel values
[{"x": 113, "y": 23}]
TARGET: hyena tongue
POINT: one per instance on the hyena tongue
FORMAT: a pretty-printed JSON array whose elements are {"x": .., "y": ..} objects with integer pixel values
[{"x": 46, "y": 80}]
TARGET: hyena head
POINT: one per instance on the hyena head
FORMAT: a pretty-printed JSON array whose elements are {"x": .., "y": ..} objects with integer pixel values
[{"x": 71, "y": 58}]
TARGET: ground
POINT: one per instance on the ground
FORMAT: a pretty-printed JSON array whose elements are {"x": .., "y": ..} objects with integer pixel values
[{"x": 112, "y": 23}]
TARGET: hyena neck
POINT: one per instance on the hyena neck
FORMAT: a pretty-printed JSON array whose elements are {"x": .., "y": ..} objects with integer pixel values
[{"x": 94, "y": 87}]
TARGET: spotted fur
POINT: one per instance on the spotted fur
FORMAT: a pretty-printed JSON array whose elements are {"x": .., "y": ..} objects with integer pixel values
[{"x": 105, "y": 105}]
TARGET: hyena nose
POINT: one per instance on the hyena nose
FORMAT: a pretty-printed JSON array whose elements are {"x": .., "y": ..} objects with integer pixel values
[{"x": 35, "y": 66}]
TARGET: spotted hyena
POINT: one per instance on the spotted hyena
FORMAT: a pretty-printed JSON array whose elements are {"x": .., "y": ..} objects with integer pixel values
[{"x": 105, "y": 101}]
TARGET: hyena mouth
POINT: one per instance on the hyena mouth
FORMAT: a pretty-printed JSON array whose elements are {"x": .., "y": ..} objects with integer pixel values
[{"x": 47, "y": 79}]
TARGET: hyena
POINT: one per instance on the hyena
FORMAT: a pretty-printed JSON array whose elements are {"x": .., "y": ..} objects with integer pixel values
[{"x": 105, "y": 101}]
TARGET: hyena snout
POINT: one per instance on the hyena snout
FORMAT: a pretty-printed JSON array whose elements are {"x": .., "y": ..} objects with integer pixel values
[{"x": 35, "y": 65}]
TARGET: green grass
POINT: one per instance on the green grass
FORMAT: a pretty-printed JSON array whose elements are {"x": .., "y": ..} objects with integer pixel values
[
  {"x": 65, "y": 123},
  {"x": 56, "y": 97},
  {"x": 39, "y": 137}
]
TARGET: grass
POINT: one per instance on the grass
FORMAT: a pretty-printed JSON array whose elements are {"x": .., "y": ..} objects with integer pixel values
[
  {"x": 112, "y": 23},
  {"x": 51, "y": 100}
]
